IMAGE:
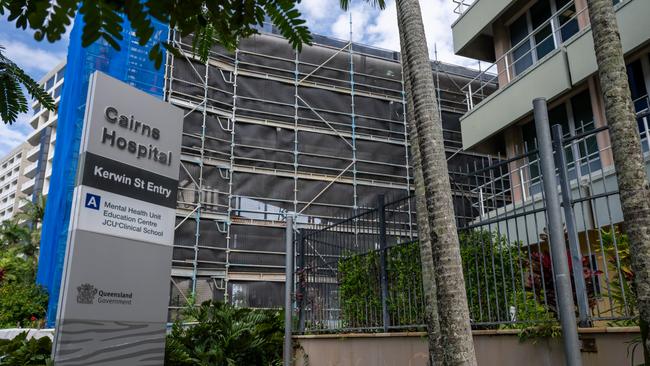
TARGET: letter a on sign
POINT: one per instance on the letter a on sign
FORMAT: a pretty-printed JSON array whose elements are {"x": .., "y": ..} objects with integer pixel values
[{"x": 93, "y": 201}]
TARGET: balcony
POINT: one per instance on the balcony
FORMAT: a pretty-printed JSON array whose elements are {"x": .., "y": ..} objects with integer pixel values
[
  {"x": 31, "y": 169},
  {"x": 472, "y": 31},
  {"x": 32, "y": 154},
  {"x": 523, "y": 77},
  {"x": 28, "y": 187}
]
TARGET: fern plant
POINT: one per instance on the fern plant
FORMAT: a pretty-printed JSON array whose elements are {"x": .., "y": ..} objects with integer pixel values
[{"x": 224, "y": 335}]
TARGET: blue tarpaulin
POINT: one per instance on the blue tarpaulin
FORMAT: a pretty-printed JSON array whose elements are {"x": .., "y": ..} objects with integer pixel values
[{"x": 131, "y": 65}]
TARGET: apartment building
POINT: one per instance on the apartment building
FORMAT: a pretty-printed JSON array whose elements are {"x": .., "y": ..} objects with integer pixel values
[
  {"x": 42, "y": 140},
  {"x": 12, "y": 168},
  {"x": 544, "y": 48}
]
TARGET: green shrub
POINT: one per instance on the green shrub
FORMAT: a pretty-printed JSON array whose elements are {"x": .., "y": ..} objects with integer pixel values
[
  {"x": 21, "y": 351},
  {"x": 21, "y": 304},
  {"x": 360, "y": 289},
  {"x": 226, "y": 336}
]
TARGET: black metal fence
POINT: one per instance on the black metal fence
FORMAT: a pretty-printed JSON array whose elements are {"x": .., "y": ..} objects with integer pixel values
[{"x": 363, "y": 273}]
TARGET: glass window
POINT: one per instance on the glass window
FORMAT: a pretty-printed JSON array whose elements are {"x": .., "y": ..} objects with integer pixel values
[
  {"x": 49, "y": 83},
  {"x": 639, "y": 93},
  {"x": 637, "y": 85},
  {"x": 567, "y": 18},
  {"x": 521, "y": 56},
  {"x": 583, "y": 120},
  {"x": 57, "y": 91},
  {"x": 60, "y": 73},
  {"x": 529, "y": 136},
  {"x": 540, "y": 13}
]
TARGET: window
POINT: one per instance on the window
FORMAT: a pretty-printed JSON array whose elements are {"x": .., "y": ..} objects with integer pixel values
[
  {"x": 57, "y": 91},
  {"x": 521, "y": 55},
  {"x": 538, "y": 31},
  {"x": 60, "y": 73},
  {"x": 49, "y": 83},
  {"x": 639, "y": 91},
  {"x": 576, "y": 117}
]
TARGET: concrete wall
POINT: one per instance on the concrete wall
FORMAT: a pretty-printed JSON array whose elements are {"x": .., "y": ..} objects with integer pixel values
[{"x": 492, "y": 348}]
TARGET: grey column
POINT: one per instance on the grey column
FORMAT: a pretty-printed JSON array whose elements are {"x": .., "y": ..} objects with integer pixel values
[
  {"x": 572, "y": 231},
  {"x": 288, "y": 285},
  {"x": 556, "y": 233}
]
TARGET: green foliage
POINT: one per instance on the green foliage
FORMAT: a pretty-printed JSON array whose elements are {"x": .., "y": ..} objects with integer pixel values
[
  {"x": 12, "y": 234},
  {"x": 226, "y": 336},
  {"x": 22, "y": 304},
  {"x": 616, "y": 250},
  {"x": 360, "y": 289},
  {"x": 21, "y": 351},
  {"x": 492, "y": 274},
  {"x": 223, "y": 22},
  {"x": 12, "y": 79},
  {"x": 15, "y": 267}
]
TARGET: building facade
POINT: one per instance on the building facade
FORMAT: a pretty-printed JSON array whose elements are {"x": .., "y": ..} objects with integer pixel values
[
  {"x": 270, "y": 133},
  {"x": 42, "y": 140},
  {"x": 12, "y": 177},
  {"x": 267, "y": 133},
  {"x": 544, "y": 48}
]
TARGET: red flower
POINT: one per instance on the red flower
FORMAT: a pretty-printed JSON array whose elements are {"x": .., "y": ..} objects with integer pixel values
[{"x": 33, "y": 318}]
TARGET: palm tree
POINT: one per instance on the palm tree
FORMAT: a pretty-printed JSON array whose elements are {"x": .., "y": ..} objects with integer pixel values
[
  {"x": 426, "y": 255},
  {"x": 15, "y": 235},
  {"x": 627, "y": 152},
  {"x": 33, "y": 211},
  {"x": 457, "y": 347},
  {"x": 450, "y": 335}
]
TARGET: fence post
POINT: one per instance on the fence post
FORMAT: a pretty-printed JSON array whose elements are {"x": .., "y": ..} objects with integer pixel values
[
  {"x": 554, "y": 213},
  {"x": 301, "y": 284},
  {"x": 572, "y": 232},
  {"x": 288, "y": 285},
  {"x": 381, "y": 210}
]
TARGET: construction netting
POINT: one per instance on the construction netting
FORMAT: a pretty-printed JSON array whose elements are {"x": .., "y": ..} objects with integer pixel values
[
  {"x": 269, "y": 132},
  {"x": 131, "y": 65}
]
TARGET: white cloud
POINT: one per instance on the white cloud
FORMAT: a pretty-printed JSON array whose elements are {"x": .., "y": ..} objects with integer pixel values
[
  {"x": 29, "y": 58},
  {"x": 379, "y": 28},
  {"x": 316, "y": 10},
  {"x": 360, "y": 17},
  {"x": 14, "y": 134}
]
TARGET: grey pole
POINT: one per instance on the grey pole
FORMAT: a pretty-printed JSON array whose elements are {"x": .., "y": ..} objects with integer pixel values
[
  {"x": 381, "y": 211},
  {"x": 569, "y": 217},
  {"x": 288, "y": 285},
  {"x": 554, "y": 213}
]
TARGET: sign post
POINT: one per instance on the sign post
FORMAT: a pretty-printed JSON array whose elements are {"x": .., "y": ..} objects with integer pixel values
[{"x": 115, "y": 288}]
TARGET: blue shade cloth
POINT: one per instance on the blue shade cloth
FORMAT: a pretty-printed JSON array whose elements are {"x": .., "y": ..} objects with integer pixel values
[{"x": 131, "y": 65}]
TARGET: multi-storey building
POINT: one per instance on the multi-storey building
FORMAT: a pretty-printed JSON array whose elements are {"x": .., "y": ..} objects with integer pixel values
[
  {"x": 544, "y": 48},
  {"x": 12, "y": 168},
  {"x": 269, "y": 133},
  {"x": 42, "y": 140}
]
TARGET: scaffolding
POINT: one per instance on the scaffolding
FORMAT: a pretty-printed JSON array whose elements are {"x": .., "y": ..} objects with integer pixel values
[{"x": 270, "y": 132}]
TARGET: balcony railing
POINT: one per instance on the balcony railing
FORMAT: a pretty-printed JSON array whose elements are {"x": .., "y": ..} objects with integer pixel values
[
  {"x": 462, "y": 5},
  {"x": 514, "y": 62}
]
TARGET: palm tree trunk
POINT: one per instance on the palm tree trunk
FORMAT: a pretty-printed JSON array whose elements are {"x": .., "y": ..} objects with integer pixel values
[
  {"x": 426, "y": 256},
  {"x": 627, "y": 152},
  {"x": 453, "y": 313}
]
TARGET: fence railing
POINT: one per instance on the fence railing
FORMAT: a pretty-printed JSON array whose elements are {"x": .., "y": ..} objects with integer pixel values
[{"x": 363, "y": 273}]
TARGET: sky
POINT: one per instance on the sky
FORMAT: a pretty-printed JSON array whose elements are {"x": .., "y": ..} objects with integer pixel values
[{"x": 369, "y": 25}]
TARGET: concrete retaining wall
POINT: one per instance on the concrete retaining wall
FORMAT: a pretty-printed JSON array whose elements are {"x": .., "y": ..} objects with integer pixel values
[{"x": 601, "y": 347}]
